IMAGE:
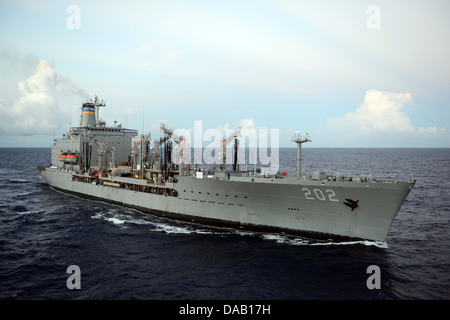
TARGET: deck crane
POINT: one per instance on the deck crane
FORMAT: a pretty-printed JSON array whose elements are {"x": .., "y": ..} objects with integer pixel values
[
  {"x": 166, "y": 130},
  {"x": 223, "y": 145},
  {"x": 182, "y": 152}
]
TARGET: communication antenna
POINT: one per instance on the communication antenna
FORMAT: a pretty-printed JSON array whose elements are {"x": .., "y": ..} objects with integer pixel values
[{"x": 97, "y": 105}]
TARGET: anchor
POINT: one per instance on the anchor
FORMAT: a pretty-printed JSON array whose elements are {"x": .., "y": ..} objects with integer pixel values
[{"x": 351, "y": 203}]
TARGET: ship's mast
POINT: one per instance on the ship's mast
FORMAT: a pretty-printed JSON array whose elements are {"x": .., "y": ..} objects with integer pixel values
[
  {"x": 299, "y": 139},
  {"x": 97, "y": 105}
]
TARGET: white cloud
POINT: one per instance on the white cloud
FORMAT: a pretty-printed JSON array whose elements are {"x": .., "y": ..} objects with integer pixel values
[
  {"x": 247, "y": 124},
  {"x": 381, "y": 120},
  {"x": 380, "y": 112},
  {"x": 41, "y": 107}
]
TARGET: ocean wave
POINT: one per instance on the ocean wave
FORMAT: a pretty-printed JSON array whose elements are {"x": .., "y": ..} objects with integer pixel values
[
  {"x": 22, "y": 195},
  {"x": 117, "y": 217},
  {"x": 21, "y": 209},
  {"x": 115, "y": 220},
  {"x": 368, "y": 243},
  {"x": 172, "y": 229},
  {"x": 18, "y": 180},
  {"x": 110, "y": 217},
  {"x": 121, "y": 219},
  {"x": 297, "y": 241}
]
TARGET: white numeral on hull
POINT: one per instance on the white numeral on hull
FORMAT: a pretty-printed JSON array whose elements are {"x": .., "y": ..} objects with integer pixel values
[{"x": 318, "y": 194}]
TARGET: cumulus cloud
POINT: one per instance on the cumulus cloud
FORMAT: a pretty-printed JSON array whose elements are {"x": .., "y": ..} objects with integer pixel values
[
  {"x": 245, "y": 124},
  {"x": 380, "y": 112},
  {"x": 41, "y": 105}
]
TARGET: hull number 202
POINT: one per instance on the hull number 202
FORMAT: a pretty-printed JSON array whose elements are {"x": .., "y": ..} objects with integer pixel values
[{"x": 318, "y": 194}]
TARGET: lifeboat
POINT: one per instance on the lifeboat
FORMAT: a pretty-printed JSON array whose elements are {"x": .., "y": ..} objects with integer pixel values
[
  {"x": 68, "y": 158},
  {"x": 95, "y": 174}
]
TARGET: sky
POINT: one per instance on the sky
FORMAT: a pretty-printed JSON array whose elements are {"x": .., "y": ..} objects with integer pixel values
[{"x": 350, "y": 73}]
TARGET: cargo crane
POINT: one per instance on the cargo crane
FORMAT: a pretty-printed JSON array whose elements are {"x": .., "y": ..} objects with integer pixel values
[
  {"x": 223, "y": 145},
  {"x": 182, "y": 152},
  {"x": 169, "y": 132}
]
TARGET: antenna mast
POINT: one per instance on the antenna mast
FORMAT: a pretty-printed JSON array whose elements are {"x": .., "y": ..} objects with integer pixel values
[
  {"x": 299, "y": 139},
  {"x": 97, "y": 105}
]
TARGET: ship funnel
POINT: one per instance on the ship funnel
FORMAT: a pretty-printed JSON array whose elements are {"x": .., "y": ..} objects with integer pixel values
[
  {"x": 87, "y": 115},
  {"x": 90, "y": 113}
]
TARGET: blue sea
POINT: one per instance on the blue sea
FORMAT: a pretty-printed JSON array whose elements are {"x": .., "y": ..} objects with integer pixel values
[{"x": 124, "y": 254}]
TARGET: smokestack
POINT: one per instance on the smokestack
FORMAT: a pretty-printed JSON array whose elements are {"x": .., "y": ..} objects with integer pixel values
[{"x": 87, "y": 115}]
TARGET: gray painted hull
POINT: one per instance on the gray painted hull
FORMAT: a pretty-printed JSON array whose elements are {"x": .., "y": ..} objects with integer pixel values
[{"x": 312, "y": 208}]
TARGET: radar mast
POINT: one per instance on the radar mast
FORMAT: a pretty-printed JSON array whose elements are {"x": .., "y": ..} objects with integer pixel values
[{"x": 299, "y": 139}]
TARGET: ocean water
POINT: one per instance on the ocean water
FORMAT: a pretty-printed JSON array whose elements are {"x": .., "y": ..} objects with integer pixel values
[{"x": 123, "y": 253}]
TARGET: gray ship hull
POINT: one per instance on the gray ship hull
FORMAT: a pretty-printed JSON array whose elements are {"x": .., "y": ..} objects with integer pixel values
[{"x": 336, "y": 210}]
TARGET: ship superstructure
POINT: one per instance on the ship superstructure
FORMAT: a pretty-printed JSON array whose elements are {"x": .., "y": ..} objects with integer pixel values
[
  {"x": 117, "y": 165},
  {"x": 81, "y": 148}
]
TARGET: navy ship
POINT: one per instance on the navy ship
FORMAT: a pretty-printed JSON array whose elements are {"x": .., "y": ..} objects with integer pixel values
[{"x": 117, "y": 165}]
